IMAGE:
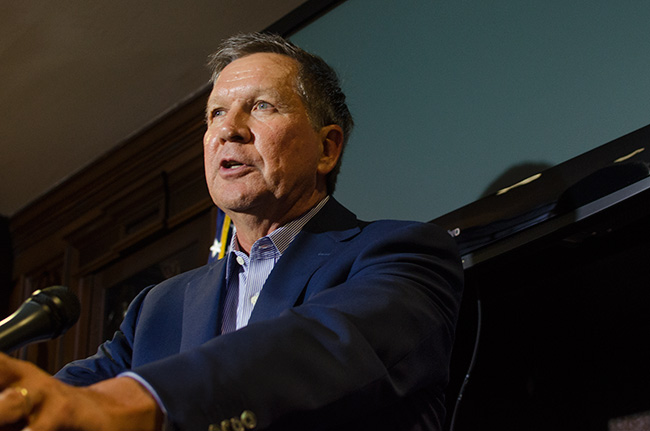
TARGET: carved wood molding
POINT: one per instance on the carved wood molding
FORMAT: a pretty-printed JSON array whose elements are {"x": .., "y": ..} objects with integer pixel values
[{"x": 170, "y": 147}]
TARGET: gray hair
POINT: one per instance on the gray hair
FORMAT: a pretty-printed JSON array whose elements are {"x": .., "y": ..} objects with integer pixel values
[{"x": 318, "y": 84}]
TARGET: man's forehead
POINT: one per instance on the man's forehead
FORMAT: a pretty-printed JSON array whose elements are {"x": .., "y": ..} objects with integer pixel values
[
  {"x": 258, "y": 65},
  {"x": 268, "y": 73},
  {"x": 227, "y": 92}
]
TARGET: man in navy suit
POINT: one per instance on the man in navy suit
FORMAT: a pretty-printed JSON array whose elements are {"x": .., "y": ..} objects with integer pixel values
[{"x": 314, "y": 320}]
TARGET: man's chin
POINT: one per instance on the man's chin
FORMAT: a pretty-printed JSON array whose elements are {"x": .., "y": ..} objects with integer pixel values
[{"x": 240, "y": 204}]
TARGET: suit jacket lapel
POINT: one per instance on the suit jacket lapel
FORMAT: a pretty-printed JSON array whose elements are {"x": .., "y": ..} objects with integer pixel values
[
  {"x": 309, "y": 251},
  {"x": 201, "y": 307}
]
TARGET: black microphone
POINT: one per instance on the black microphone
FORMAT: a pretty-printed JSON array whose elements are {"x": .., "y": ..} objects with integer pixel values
[{"x": 45, "y": 315}]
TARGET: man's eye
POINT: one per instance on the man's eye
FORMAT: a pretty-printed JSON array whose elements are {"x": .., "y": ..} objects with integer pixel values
[
  {"x": 215, "y": 113},
  {"x": 261, "y": 105}
]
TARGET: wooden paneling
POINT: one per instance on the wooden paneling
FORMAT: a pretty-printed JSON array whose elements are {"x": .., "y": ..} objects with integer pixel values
[
  {"x": 138, "y": 207},
  {"x": 5, "y": 265}
]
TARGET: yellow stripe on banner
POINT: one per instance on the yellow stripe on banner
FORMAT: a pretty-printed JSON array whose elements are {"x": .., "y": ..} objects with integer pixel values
[{"x": 225, "y": 228}]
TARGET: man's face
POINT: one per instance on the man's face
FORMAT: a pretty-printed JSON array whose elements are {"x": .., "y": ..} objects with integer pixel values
[{"x": 262, "y": 154}]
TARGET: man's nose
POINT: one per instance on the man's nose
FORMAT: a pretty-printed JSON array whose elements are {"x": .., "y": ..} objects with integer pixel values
[{"x": 234, "y": 127}]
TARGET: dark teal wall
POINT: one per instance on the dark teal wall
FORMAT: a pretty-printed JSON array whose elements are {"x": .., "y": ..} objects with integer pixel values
[{"x": 447, "y": 95}]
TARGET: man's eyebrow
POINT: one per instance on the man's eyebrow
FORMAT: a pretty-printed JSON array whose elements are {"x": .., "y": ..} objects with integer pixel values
[
  {"x": 268, "y": 92},
  {"x": 279, "y": 99}
]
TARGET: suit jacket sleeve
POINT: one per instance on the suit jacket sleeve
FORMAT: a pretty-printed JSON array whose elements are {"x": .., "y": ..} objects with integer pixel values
[
  {"x": 112, "y": 357},
  {"x": 369, "y": 331}
]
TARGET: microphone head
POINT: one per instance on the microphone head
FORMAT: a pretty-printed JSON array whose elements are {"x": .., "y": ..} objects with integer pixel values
[{"x": 63, "y": 304}]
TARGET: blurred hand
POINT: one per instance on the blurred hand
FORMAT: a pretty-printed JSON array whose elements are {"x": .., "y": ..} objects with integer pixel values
[{"x": 32, "y": 400}]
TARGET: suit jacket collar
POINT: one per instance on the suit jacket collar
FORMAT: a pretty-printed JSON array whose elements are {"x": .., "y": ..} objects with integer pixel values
[
  {"x": 288, "y": 280},
  {"x": 308, "y": 252},
  {"x": 201, "y": 305}
]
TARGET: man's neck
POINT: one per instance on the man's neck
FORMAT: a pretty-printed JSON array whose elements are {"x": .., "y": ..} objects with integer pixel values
[
  {"x": 248, "y": 233},
  {"x": 251, "y": 227}
]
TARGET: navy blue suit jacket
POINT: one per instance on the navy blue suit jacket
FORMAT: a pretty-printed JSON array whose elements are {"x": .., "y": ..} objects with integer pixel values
[{"x": 352, "y": 330}]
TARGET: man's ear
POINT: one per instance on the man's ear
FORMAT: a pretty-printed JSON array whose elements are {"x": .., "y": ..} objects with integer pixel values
[{"x": 332, "y": 145}]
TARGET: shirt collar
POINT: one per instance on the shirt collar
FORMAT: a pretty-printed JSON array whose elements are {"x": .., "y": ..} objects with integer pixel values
[{"x": 284, "y": 235}]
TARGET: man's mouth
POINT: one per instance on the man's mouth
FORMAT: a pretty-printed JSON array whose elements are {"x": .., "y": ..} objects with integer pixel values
[{"x": 231, "y": 164}]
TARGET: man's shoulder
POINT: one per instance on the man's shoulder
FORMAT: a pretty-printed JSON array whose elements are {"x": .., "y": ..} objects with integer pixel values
[
  {"x": 339, "y": 221},
  {"x": 404, "y": 227},
  {"x": 409, "y": 235},
  {"x": 189, "y": 275},
  {"x": 177, "y": 284}
]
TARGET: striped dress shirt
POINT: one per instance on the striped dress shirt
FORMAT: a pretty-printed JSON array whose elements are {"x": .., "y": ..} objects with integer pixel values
[{"x": 248, "y": 273}]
